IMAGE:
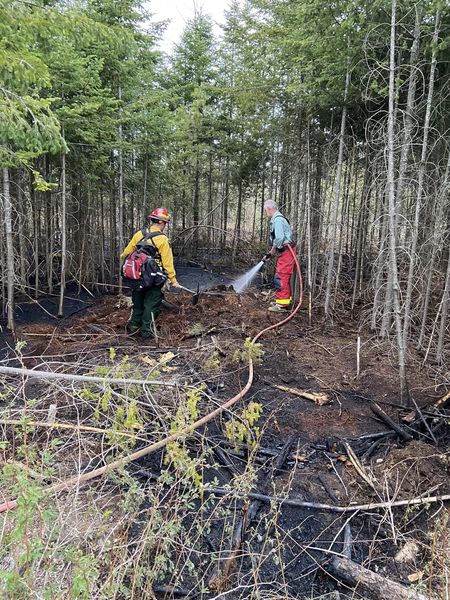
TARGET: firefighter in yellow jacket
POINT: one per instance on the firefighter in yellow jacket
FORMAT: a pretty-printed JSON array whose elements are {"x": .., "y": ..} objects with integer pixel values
[{"x": 147, "y": 302}]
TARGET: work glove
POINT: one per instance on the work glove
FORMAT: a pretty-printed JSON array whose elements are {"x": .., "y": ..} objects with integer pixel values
[
  {"x": 175, "y": 284},
  {"x": 267, "y": 257}
]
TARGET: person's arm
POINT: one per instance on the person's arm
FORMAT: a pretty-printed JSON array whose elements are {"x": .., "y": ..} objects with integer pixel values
[
  {"x": 137, "y": 237},
  {"x": 165, "y": 252},
  {"x": 279, "y": 234}
]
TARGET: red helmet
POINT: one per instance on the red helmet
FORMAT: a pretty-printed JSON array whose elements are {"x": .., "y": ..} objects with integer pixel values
[{"x": 160, "y": 214}]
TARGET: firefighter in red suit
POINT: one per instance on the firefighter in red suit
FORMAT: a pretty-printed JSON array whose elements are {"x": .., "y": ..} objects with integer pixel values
[{"x": 281, "y": 238}]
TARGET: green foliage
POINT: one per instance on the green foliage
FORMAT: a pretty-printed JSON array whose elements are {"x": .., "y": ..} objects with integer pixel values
[
  {"x": 196, "y": 329},
  {"x": 243, "y": 429},
  {"x": 177, "y": 454},
  {"x": 212, "y": 364},
  {"x": 251, "y": 351}
]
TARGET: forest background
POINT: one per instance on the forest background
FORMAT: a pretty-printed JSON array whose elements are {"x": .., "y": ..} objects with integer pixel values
[{"x": 337, "y": 111}]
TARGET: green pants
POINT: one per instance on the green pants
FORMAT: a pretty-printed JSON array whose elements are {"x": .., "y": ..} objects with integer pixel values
[{"x": 145, "y": 304}]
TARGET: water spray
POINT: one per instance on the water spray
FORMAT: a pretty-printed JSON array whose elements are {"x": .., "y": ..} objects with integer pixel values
[{"x": 242, "y": 282}]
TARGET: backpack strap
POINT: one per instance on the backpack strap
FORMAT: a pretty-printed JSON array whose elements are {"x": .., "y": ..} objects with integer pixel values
[{"x": 148, "y": 236}]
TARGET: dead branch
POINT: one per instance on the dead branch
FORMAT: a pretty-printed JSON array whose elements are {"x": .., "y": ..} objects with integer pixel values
[
  {"x": 328, "y": 507},
  {"x": 358, "y": 466},
  {"x": 319, "y": 399},
  {"x": 82, "y": 478},
  {"x": 441, "y": 403},
  {"x": 53, "y": 375}
]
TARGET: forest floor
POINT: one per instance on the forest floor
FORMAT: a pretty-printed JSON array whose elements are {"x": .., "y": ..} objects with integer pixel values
[{"x": 221, "y": 546}]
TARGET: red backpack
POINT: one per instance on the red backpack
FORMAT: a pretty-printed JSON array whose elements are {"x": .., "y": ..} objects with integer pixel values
[{"x": 140, "y": 269}]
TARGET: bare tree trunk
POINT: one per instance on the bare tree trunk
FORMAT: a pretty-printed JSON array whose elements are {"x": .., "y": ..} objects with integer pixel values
[
  {"x": 63, "y": 234},
  {"x": 420, "y": 184},
  {"x": 435, "y": 245},
  {"x": 444, "y": 314},
  {"x": 337, "y": 194},
  {"x": 7, "y": 209},
  {"x": 392, "y": 213},
  {"x": 120, "y": 191},
  {"x": 410, "y": 104},
  {"x": 22, "y": 233},
  {"x": 36, "y": 217},
  {"x": 308, "y": 227}
]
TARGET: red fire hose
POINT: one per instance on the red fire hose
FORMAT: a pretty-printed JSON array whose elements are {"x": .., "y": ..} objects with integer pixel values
[{"x": 81, "y": 478}]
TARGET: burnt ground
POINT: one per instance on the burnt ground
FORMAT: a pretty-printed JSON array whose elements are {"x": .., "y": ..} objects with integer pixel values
[{"x": 305, "y": 357}]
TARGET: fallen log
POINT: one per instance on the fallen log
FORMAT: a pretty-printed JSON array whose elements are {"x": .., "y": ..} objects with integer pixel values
[
  {"x": 371, "y": 584},
  {"x": 392, "y": 424}
]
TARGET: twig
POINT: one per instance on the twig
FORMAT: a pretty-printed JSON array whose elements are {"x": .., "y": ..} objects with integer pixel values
[{"x": 424, "y": 421}]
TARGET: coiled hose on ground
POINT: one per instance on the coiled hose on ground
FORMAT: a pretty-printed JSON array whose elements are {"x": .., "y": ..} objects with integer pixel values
[{"x": 82, "y": 478}]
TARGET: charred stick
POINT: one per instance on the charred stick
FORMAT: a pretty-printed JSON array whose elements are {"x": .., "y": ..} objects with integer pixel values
[
  {"x": 347, "y": 549},
  {"x": 223, "y": 459},
  {"x": 368, "y": 453},
  {"x": 283, "y": 455},
  {"x": 392, "y": 424},
  {"x": 358, "y": 466},
  {"x": 218, "y": 580}
]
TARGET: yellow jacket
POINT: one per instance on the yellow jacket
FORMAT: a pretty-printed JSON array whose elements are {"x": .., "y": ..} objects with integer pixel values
[{"x": 162, "y": 244}]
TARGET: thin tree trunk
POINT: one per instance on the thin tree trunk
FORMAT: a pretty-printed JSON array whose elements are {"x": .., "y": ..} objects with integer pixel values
[
  {"x": 337, "y": 195},
  {"x": 63, "y": 233},
  {"x": 308, "y": 226},
  {"x": 7, "y": 209},
  {"x": 435, "y": 245},
  {"x": 392, "y": 213},
  {"x": 409, "y": 111},
  {"x": 420, "y": 184},
  {"x": 444, "y": 313},
  {"x": 120, "y": 189},
  {"x": 22, "y": 234}
]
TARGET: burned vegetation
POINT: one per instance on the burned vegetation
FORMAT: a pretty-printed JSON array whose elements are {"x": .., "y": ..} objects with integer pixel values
[{"x": 317, "y": 485}]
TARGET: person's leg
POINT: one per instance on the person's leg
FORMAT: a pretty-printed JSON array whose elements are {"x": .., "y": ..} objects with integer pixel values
[
  {"x": 137, "y": 296},
  {"x": 152, "y": 306},
  {"x": 284, "y": 270}
]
